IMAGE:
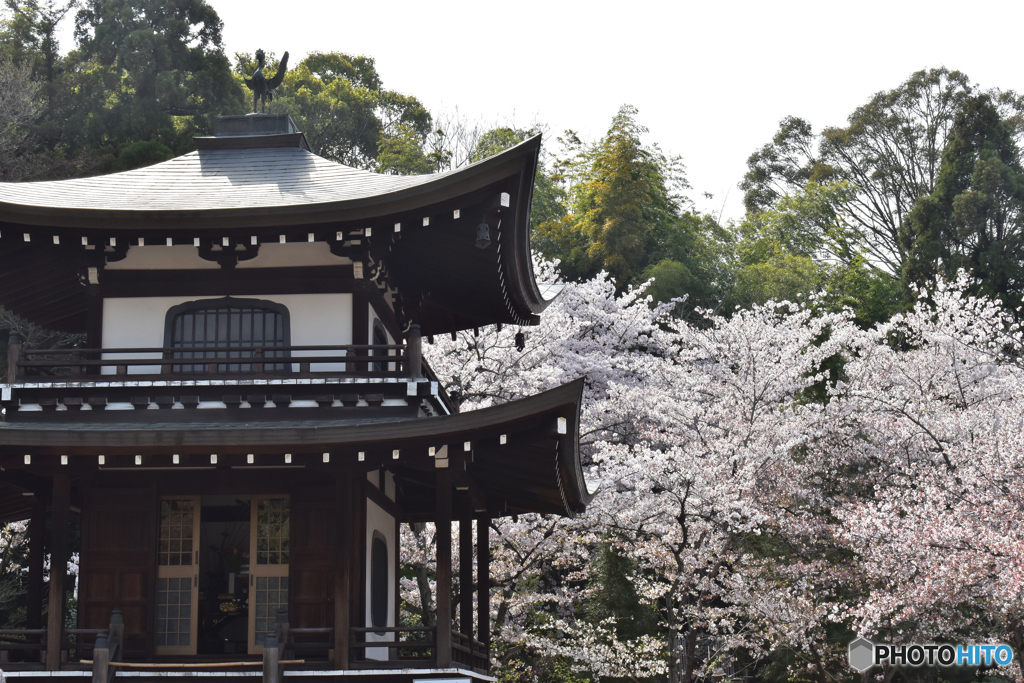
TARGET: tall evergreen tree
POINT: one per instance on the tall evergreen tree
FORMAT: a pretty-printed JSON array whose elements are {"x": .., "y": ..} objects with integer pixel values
[
  {"x": 156, "y": 70},
  {"x": 973, "y": 219}
]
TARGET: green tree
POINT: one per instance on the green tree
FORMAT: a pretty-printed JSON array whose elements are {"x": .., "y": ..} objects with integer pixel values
[
  {"x": 804, "y": 245},
  {"x": 30, "y": 35},
  {"x": 973, "y": 220},
  {"x": 620, "y": 204},
  {"x": 693, "y": 261},
  {"x": 890, "y": 152},
  {"x": 149, "y": 71},
  {"x": 347, "y": 115},
  {"x": 19, "y": 107}
]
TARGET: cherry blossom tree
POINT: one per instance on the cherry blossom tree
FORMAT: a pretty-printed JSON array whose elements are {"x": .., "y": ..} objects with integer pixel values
[
  {"x": 934, "y": 402},
  {"x": 778, "y": 479}
]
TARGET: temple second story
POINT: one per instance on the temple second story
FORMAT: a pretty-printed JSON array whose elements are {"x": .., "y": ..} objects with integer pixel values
[{"x": 252, "y": 273}]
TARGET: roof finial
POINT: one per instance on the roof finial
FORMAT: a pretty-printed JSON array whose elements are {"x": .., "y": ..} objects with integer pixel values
[{"x": 263, "y": 87}]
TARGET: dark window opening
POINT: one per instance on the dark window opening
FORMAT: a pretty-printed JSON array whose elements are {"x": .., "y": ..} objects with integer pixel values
[
  {"x": 227, "y": 324},
  {"x": 379, "y": 583}
]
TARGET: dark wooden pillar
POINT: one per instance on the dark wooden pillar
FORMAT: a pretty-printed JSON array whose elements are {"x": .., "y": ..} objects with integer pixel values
[
  {"x": 466, "y": 576},
  {"x": 483, "y": 572},
  {"x": 358, "y": 556},
  {"x": 36, "y": 550},
  {"x": 414, "y": 352},
  {"x": 443, "y": 521},
  {"x": 58, "y": 568},
  {"x": 344, "y": 545},
  {"x": 13, "y": 354},
  {"x": 94, "y": 321}
]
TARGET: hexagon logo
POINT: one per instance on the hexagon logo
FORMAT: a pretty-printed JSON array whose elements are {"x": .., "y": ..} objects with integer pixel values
[{"x": 862, "y": 654}]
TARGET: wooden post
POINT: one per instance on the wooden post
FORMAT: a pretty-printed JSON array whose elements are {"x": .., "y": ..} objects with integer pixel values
[
  {"x": 466, "y": 576},
  {"x": 116, "y": 630},
  {"x": 281, "y": 628},
  {"x": 271, "y": 659},
  {"x": 58, "y": 569},
  {"x": 443, "y": 600},
  {"x": 483, "y": 573},
  {"x": 342, "y": 559},
  {"x": 101, "y": 660},
  {"x": 36, "y": 550},
  {"x": 414, "y": 352},
  {"x": 13, "y": 354}
]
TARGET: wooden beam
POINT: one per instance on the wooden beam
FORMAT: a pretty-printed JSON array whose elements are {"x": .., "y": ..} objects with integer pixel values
[
  {"x": 443, "y": 600},
  {"x": 343, "y": 498},
  {"x": 466, "y": 576},
  {"x": 483, "y": 570},
  {"x": 378, "y": 496},
  {"x": 58, "y": 568}
]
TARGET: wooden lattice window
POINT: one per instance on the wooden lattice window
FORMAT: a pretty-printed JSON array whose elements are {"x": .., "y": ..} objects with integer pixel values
[{"x": 228, "y": 323}]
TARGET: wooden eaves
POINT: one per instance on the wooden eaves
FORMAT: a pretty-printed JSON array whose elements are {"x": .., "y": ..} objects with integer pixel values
[
  {"x": 533, "y": 469},
  {"x": 52, "y": 232}
]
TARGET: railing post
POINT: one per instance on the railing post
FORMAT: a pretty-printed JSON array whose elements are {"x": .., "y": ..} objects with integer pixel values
[
  {"x": 414, "y": 353},
  {"x": 271, "y": 659},
  {"x": 281, "y": 629},
  {"x": 13, "y": 354},
  {"x": 100, "y": 659},
  {"x": 116, "y": 632}
]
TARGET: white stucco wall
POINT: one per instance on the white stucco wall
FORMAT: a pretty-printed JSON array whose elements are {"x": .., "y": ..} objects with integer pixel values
[
  {"x": 138, "y": 322},
  {"x": 380, "y": 522}
]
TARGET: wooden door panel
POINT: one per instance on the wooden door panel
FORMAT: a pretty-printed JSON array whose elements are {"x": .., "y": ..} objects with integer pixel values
[
  {"x": 118, "y": 563},
  {"x": 312, "y": 558}
]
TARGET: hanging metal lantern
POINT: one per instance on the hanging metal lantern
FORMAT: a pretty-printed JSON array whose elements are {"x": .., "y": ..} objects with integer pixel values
[
  {"x": 520, "y": 341},
  {"x": 483, "y": 235}
]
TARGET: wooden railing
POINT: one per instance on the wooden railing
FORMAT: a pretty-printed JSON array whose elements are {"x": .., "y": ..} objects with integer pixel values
[
  {"x": 470, "y": 652},
  {"x": 29, "y": 645},
  {"x": 366, "y": 360},
  {"x": 23, "y": 641},
  {"x": 418, "y": 646}
]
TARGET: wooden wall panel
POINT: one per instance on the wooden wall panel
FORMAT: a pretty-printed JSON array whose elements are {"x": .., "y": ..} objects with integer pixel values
[
  {"x": 311, "y": 560},
  {"x": 118, "y": 563}
]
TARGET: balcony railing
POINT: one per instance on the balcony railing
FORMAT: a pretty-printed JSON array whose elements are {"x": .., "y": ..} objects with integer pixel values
[
  {"x": 285, "y": 648},
  {"x": 237, "y": 362}
]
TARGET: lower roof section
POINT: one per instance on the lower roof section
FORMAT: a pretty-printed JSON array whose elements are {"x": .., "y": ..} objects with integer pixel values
[{"x": 518, "y": 457}]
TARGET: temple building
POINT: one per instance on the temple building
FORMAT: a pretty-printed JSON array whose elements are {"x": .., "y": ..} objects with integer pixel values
[{"x": 249, "y": 419}]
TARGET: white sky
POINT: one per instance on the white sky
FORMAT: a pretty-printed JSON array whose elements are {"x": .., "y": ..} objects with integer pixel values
[{"x": 711, "y": 80}]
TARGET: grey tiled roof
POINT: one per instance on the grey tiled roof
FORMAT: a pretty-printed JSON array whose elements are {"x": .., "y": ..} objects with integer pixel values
[{"x": 216, "y": 179}]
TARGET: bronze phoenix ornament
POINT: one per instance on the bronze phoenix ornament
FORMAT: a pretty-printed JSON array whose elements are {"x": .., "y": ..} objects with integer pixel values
[{"x": 263, "y": 87}]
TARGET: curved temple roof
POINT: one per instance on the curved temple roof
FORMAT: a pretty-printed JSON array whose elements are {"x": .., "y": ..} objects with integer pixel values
[
  {"x": 536, "y": 469},
  {"x": 262, "y": 184},
  {"x": 268, "y": 189}
]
